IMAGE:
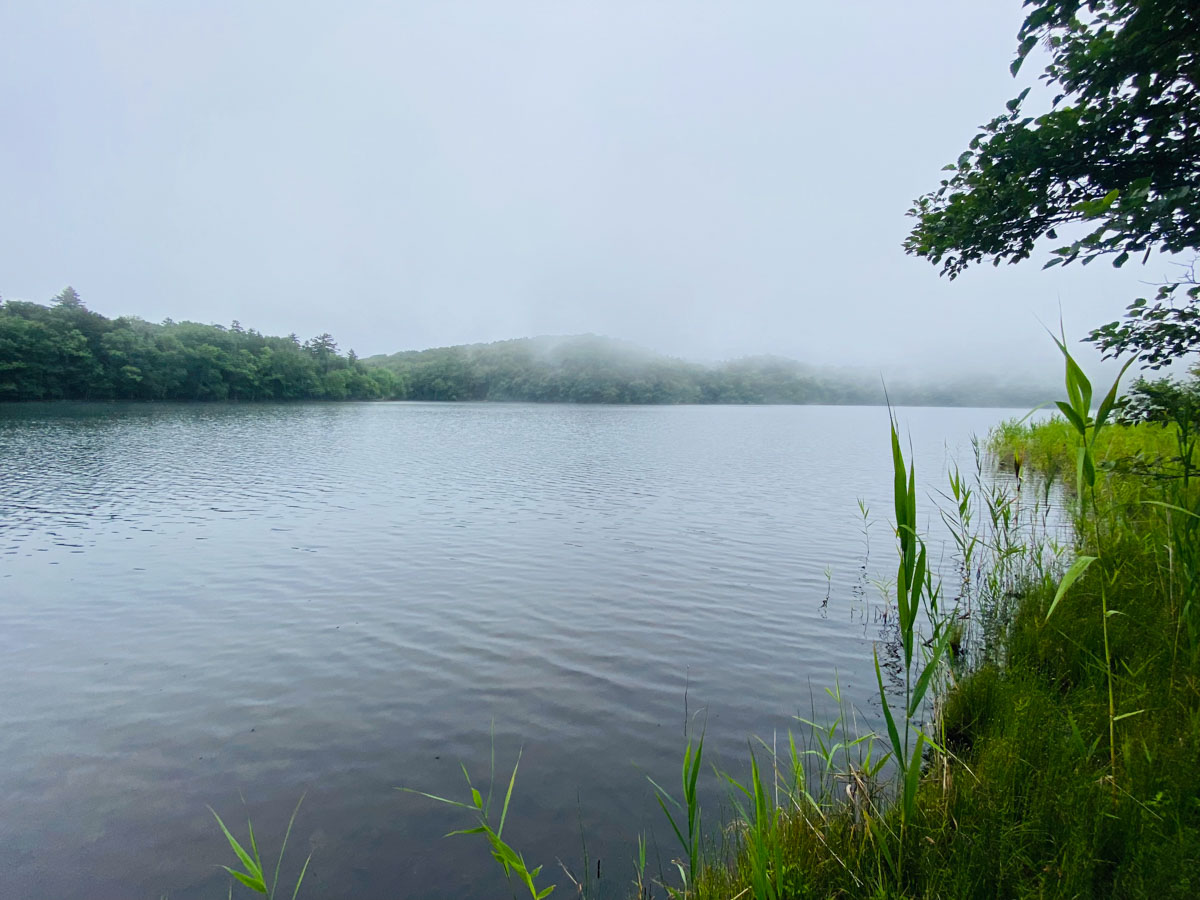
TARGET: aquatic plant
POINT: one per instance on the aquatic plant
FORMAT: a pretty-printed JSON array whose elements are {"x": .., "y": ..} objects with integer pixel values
[
  {"x": 253, "y": 875},
  {"x": 510, "y": 860},
  {"x": 687, "y": 829}
]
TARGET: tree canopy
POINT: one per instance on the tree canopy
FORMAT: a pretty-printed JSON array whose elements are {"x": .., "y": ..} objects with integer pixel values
[
  {"x": 67, "y": 352},
  {"x": 594, "y": 369},
  {"x": 1118, "y": 153}
]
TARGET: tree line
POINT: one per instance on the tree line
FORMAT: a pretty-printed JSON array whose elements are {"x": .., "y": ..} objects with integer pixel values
[
  {"x": 65, "y": 351},
  {"x": 593, "y": 369}
]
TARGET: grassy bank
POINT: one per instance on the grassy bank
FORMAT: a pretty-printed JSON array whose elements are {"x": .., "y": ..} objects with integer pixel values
[{"x": 1062, "y": 758}]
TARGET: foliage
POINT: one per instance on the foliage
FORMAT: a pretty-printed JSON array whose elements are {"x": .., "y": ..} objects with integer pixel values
[
  {"x": 591, "y": 369},
  {"x": 1163, "y": 330},
  {"x": 512, "y": 862},
  {"x": 1066, "y": 759},
  {"x": 1163, "y": 401},
  {"x": 1050, "y": 448},
  {"x": 689, "y": 835},
  {"x": 1078, "y": 411},
  {"x": 916, "y": 593},
  {"x": 1118, "y": 152},
  {"x": 1168, "y": 402},
  {"x": 68, "y": 352},
  {"x": 254, "y": 877},
  {"x": 764, "y": 850}
]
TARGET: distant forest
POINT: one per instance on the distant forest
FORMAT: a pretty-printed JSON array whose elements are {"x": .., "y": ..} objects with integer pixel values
[
  {"x": 65, "y": 351},
  {"x": 592, "y": 369}
]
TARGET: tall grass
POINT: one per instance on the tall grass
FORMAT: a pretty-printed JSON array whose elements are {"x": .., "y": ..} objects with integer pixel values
[
  {"x": 687, "y": 808},
  {"x": 252, "y": 874},
  {"x": 1060, "y": 759},
  {"x": 510, "y": 860}
]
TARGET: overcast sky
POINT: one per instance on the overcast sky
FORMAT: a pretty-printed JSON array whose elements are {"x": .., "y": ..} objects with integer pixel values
[{"x": 707, "y": 179}]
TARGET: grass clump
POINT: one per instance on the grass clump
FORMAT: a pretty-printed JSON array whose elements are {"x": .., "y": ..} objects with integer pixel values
[
  {"x": 510, "y": 860},
  {"x": 252, "y": 874}
]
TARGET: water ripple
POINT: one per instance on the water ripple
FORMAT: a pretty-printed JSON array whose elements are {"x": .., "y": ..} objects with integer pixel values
[{"x": 205, "y": 601}]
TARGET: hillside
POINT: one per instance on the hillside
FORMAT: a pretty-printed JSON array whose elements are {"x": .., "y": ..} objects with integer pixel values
[{"x": 594, "y": 369}]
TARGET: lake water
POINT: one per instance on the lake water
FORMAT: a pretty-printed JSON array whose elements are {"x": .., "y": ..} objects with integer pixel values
[{"x": 237, "y": 605}]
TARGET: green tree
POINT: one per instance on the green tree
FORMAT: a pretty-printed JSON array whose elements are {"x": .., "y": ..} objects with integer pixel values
[
  {"x": 68, "y": 298},
  {"x": 66, "y": 351},
  {"x": 335, "y": 385},
  {"x": 28, "y": 350},
  {"x": 1118, "y": 152},
  {"x": 1166, "y": 401},
  {"x": 324, "y": 349}
]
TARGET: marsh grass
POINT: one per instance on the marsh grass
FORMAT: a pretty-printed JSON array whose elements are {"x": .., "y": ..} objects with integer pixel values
[
  {"x": 1058, "y": 752},
  {"x": 687, "y": 809},
  {"x": 252, "y": 874},
  {"x": 510, "y": 860}
]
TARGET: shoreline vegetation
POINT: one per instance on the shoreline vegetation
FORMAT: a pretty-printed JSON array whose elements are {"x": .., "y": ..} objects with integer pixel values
[
  {"x": 1041, "y": 700},
  {"x": 1061, "y": 764},
  {"x": 1061, "y": 727},
  {"x": 595, "y": 369},
  {"x": 65, "y": 351}
]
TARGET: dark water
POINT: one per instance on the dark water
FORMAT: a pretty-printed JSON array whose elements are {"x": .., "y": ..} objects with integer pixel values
[{"x": 232, "y": 606}]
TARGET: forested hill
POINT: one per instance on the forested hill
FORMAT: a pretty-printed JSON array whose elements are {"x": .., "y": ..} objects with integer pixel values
[
  {"x": 591, "y": 369},
  {"x": 65, "y": 351}
]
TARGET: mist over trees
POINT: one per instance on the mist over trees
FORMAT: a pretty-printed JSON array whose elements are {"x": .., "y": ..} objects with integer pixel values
[
  {"x": 593, "y": 369},
  {"x": 65, "y": 351}
]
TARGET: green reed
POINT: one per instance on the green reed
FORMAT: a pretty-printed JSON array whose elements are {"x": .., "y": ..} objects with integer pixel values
[
  {"x": 1077, "y": 410},
  {"x": 762, "y": 819},
  {"x": 253, "y": 875},
  {"x": 1020, "y": 779},
  {"x": 916, "y": 591},
  {"x": 687, "y": 827},
  {"x": 510, "y": 860},
  {"x": 640, "y": 883}
]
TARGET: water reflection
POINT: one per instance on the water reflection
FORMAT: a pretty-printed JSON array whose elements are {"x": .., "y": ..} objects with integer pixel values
[{"x": 202, "y": 604}]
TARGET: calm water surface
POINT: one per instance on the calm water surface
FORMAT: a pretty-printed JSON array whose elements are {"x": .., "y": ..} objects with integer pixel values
[{"x": 236, "y": 605}]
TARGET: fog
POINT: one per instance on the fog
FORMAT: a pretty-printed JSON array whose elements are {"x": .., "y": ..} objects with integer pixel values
[{"x": 707, "y": 180}]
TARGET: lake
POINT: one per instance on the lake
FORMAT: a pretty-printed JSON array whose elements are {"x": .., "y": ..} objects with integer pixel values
[{"x": 233, "y": 606}]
